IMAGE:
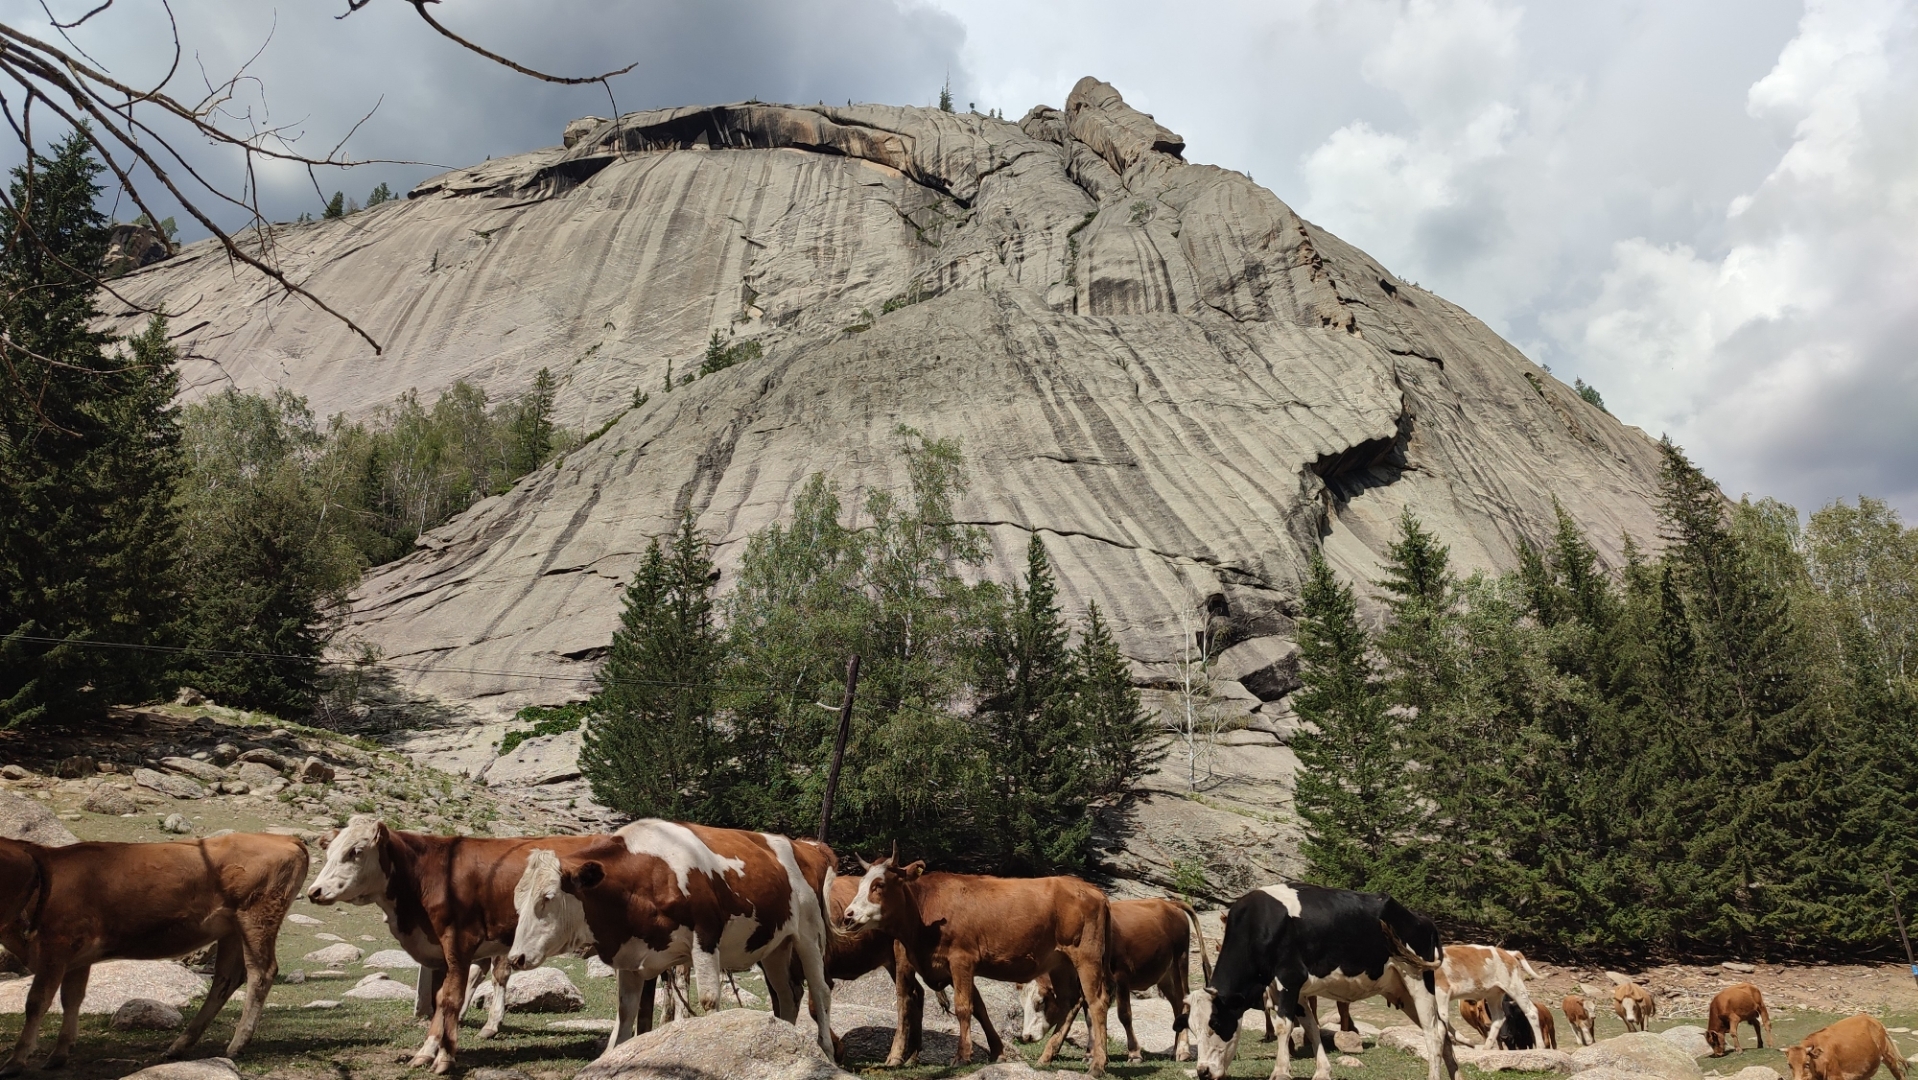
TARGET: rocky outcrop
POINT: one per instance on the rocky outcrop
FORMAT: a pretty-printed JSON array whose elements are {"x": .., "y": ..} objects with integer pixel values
[
  {"x": 1640, "y": 1053},
  {"x": 25, "y": 819}
]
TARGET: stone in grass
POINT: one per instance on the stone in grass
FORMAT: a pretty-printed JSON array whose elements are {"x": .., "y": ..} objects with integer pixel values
[
  {"x": 27, "y": 819},
  {"x": 314, "y": 771},
  {"x": 322, "y": 1003},
  {"x": 1349, "y": 1042},
  {"x": 327, "y": 973},
  {"x": 177, "y": 824},
  {"x": 107, "y": 799},
  {"x": 1689, "y": 1038},
  {"x": 1348, "y": 1061},
  {"x": 1640, "y": 1052},
  {"x": 731, "y": 1042},
  {"x": 1755, "y": 1072},
  {"x": 203, "y": 771},
  {"x": 379, "y": 987},
  {"x": 391, "y": 958},
  {"x": 146, "y": 1014},
  {"x": 329, "y": 937},
  {"x": 204, "y": 1069},
  {"x": 498, "y": 1074},
  {"x": 1521, "y": 1061},
  {"x": 179, "y": 787},
  {"x": 539, "y": 990},
  {"x": 115, "y": 982},
  {"x": 333, "y": 956},
  {"x": 582, "y": 1023},
  {"x": 303, "y": 920},
  {"x": 598, "y": 969}
]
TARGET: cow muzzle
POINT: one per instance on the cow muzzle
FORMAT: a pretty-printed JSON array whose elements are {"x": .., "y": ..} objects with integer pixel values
[
  {"x": 316, "y": 896},
  {"x": 519, "y": 961}
]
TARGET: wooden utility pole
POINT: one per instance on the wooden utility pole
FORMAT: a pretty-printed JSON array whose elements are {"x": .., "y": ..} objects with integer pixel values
[
  {"x": 839, "y": 747},
  {"x": 1902, "y": 936}
]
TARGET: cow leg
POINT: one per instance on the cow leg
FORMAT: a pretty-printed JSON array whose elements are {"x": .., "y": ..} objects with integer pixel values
[
  {"x": 1124, "y": 1001},
  {"x": 443, "y": 1032},
  {"x": 632, "y": 991},
  {"x": 909, "y": 1003},
  {"x": 706, "y": 978},
  {"x": 962, "y": 999},
  {"x": 496, "y": 1005},
  {"x": 1284, "y": 1005},
  {"x": 778, "y": 972},
  {"x": 1315, "y": 1040},
  {"x": 425, "y": 990},
  {"x": 1173, "y": 986},
  {"x": 996, "y": 1048},
  {"x": 39, "y": 999},
  {"x": 1057, "y": 1039},
  {"x": 1271, "y": 1032},
  {"x": 73, "y": 991},
  {"x": 812, "y": 962},
  {"x": 1345, "y": 1017},
  {"x": 229, "y": 972},
  {"x": 1423, "y": 1005},
  {"x": 259, "y": 948}
]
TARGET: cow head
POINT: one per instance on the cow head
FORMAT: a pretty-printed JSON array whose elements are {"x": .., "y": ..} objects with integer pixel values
[
  {"x": 1716, "y": 1039},
  {"x": 355, "y": 867},
  {"x": 1040, "y": 1008},
  {"x": 1215, "y": 1033},
  {"x": 1803, "y": 1060},
  {"x": 552, "y": 921},
  {"x": 882, "y": 888}
]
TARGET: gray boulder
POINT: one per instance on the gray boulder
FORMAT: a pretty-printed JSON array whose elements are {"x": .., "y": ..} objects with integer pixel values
[
  {"x": 11, "y": 771},
  {"x": 113, "y": 983},
  {"x": 178, "y": 787},
  {"x": 1520, "y": 1060},
  {"x": 260, "y": 755},
  {"x": 334, "y": 956},
  {"x": 256, "y": 774},
  {"x": 739, "y": 1044},
  {"x": 1639, "y": 1052},
  {"x": 205, "y": 772},
  {"x": 203, "y": 1069},
  {"x": 542, "y": 759},
  {"x": 30, "y": 820},
  {"x": 541, "y": 990},
  {"x": 391, "y": 958},
  {"x": 1689, "y": 1038},
  {"x": 107, "y": 799},
  {"x": 1755, "y": 1072},
  {"x": 177, "y": 824},
  {"x": 313, "y": 771},
  {"x": 381, "y": 987},
  {"x": 1404, "y": 1038},
  {"x": 146, "y": 1014}
]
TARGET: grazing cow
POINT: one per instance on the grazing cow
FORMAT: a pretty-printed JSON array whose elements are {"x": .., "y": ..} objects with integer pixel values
[
  {"x": 1634, "y": 1005},
  {"x": 1151, "y": 946},
  {"x": 657, "y": 894},
  {"x": 1478, "y": 1017},
  {"x": 1478, "y": 1014},
  {"x": 1485, "y": 973},
  {"x": 1331, "y": 943},
  {"x": 448, "y": 901},
  {"x": 1851, "y": 1049},
  {"x": 960, "y": 927},
  {"x": 85, "y": 903},
  {"x": 1578, "y": 1013},
  {"x": 1516, "y": 1032},
  {"x": 1739, "y": 1003},
  {"x": 1547, "y": 1030}
]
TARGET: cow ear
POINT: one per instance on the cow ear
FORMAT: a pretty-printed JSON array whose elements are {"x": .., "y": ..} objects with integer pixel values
[
  {"x": 1814, "y": 1052},
  {"x": 326, "y": 838},
  {"x": 913, "y": 870},
  {"x": 589, "y": 875}
]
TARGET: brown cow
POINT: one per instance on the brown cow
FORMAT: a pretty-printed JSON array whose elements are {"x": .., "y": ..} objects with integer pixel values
[
  {"x": 448, "y": 900},
  {"x": 105, "y": 901},
  {"x": 1739, "y": 1003},
  {"x": 1478, "y": 1016},
  {"x": 657, "y": 894},
  {"x": 1547, "y": 1029},
  {"x": 958, "y": 927},
  {"x": 851, "y": 954},
  {"x": 1578, "y": 1013},
  {"x": 1851, "y": 1049},
  {"x": 1634, "y": 1005},
  {"x": 1151, "y": 946}
]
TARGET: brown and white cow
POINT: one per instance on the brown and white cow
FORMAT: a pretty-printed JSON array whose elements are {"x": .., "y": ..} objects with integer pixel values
[
  {"x": 656, "y": 894},
  {"x": 105, "y": 901},
  {"x": 1851, "y": 1049},
  {"x": 1578, "y": 1013},
  {"x": 1489, "y": 974},
  {"x": 1739, "y": 1003},
  {"x": 853, "y": 953},
  {"x": 962, "y": 927},
  {"x": 448, "y": 901},
  {"x": 1151, "y": 946},
  {"x": 1634, "y": 1005}
]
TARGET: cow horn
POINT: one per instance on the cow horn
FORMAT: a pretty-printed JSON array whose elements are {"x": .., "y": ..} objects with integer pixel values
[
  {"x": 894, "y": 859},
  {"x": 863, "y": 864}
]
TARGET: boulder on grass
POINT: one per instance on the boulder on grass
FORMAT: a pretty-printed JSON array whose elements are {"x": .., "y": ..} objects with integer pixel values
[
  {"x": 391, "y": 958},
  {"x": 380, "y": 987},
  {"x": 334, "y": 956},
  {"x": 204, "y": 1069},
  {"x": 1639, "y": 1052},
  {"x": 1689, "y": 1038},
  {"x": 29, "y": 820},
  {"x": 540, "y": 990},
  {"x": 1755, "y": 1072},
  {"x": 113, "y": 983},
  {"x": 168, "y": 784},
  {"x": 146, "y": 1014},
  {"x": 1521, "y": 1061},
  {"x": 739, "y": 1044},
  {"x": 107, "y": 799}
]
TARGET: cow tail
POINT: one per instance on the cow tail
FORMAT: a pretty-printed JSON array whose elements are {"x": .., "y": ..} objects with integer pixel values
[
  {"x": 1405, "y": 952},
  {"x": 1198, "y": 940},
  {"x": 1525, "y": 966}
]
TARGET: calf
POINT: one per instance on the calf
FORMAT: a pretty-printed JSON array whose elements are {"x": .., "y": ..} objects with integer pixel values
[
  {"x": 960, "y": 927},
  {"x": 1151, "y": 946},
  {"x": 1851, "y": 1049},
  {"x": 1633, "y": 1004},
  {"x": 1331, "y": 943},
  {"x": 1739, "y": 1003},
  {"x": 448, "y": 900},
  {"x": 1547, "y": 1030},
  {"x": 1516, "y": 1032},
  {"x": 1579, "y": 1014},
  {"x": 657, "y": 894},
  {"x": 1478, "y": 1018},
  {"x": 1486, "y": 973},
  {"x": 102, "y": 901}
]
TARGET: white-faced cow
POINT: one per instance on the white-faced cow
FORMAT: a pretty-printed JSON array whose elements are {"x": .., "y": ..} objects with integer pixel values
[
  {"x": 448, "y": 900},
  {"x": 1328, "y": 943},
  {"x": 1151, "y": 946},
  {"x": 1489, "y": 974},
  {"x": 68, "y": 908},
  {"x": 1634, "y": 1005},
  {"x": 656, "y": 894},
  {"x": 960, "y": 927}
]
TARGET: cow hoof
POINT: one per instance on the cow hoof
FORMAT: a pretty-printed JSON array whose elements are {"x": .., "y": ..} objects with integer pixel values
[
  {"x": 418, "y": 1061},
  {"x": 443, "y": 1064},
  {"x": 1135, "y": 1056},
  {"x": 488, "y": 1031}
]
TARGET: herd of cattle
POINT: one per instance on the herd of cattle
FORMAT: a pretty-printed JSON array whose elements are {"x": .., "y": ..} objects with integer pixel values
[{"x": 659, "y": 900}]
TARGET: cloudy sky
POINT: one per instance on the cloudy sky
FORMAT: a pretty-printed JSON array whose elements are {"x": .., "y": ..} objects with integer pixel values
[{"x": 1708, "y": 209}]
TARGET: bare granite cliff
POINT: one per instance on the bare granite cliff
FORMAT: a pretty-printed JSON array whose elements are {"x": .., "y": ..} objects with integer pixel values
[{"x": 1180, "y": 384}]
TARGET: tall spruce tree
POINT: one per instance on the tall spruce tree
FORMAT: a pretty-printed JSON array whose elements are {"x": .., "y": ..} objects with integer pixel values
[
  {"x": 1125, "y": 742},
  {"x": 1034, "y": 745},
  {"x": 653, "y": 739},
  {"x": 89, "y": 449}
]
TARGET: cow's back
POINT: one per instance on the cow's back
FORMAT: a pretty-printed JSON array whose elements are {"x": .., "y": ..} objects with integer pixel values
[
  {"x": 1852, "y": 1048},
  {"x": 1006, "y": 921},
  {"x": 1336, "y": 928},
  {"x": 1146, "y": 936}
]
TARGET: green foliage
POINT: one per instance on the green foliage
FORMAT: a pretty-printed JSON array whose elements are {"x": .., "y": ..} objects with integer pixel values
[
  {"x": 545, "y": 721},
  {"x": 89, "y": 448},
  {"x": 720, "y": 356},
  {"x": 379, "y": 195},
  {"x": 335, "y": 207},
  {"x": 1124, "y": 739},
  {"x": 1589, "y": 393},
  {"x": 945, "y": 97},
  {"x": 264, "y": 550},
  {"x": 1710, "y": 752},
  {"x": 655, "y": 739},
  {"x": 167, "y": 227}
]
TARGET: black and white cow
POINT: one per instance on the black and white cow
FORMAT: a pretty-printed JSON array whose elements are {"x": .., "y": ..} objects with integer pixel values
[{"x": 1307, "y": 941}]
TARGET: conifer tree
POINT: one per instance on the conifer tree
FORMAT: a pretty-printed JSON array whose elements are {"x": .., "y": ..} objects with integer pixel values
[
  {"x": 1125, "y": 742},
  {"x": 335, "y": 206},
  {"x": 653, "y": 739},
  {"x": 1420, "y": 593},
  {"x": 89, "y": 449},
  {"x": 530, "y": 430}
]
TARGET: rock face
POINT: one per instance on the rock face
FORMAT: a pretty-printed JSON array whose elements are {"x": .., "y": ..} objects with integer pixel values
[
  {"x": 25, "y": 819},
  {"x": 1180, "y": 384},
  {"x": 739, "y": 1044}
]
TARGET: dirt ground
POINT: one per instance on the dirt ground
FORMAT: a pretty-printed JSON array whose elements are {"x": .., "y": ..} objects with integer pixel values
[{"x": 372, "y": 1039}]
